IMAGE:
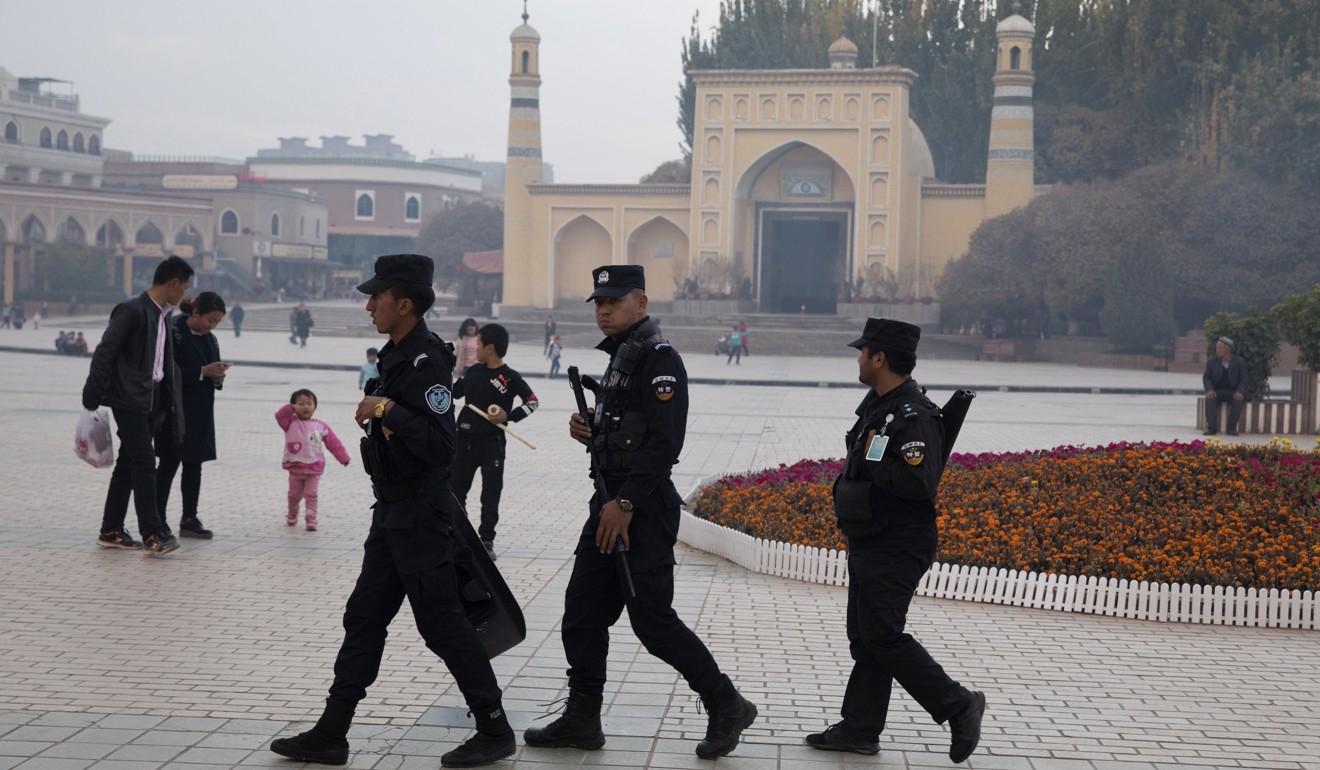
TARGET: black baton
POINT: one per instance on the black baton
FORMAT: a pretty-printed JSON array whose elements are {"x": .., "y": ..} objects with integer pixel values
[{"x": 620, "y": 555}]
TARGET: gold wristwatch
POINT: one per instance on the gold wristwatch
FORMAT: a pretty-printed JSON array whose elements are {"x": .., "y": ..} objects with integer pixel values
[
  {"x": 379, "y": 414},
  {"x": 625, "y": 505}
]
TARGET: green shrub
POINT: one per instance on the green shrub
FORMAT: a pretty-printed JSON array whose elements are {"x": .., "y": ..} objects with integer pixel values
[{"x": 1299, "y": 318}]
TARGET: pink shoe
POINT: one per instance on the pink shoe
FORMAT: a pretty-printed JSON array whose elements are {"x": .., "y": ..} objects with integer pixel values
[
  {"x": 311, "y": 527},
  {"x": 291, "y": 519}
]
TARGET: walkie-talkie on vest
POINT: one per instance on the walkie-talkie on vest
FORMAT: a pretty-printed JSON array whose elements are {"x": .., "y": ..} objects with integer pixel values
[{"x": 620, "y": 555}]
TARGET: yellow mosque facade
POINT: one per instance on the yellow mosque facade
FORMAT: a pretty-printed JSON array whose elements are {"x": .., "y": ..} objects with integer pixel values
[{"x": 808, "y": 187}]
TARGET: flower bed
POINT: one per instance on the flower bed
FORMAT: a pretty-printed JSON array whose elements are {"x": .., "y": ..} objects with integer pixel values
[{"x": 1195, "y": 513}]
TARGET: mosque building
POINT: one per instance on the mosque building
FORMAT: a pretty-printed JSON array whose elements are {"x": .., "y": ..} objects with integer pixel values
[{"x": 809, "y": 187}]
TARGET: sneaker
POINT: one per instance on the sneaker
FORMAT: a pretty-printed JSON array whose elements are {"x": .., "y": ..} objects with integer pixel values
[
  {"x": 192, "y": 527},
  {"x": 120, "y": 539},
  {"x": 291, "y": 519},
  {"x": 490, "y": 548},
  {"x": 160, "y": 544}
]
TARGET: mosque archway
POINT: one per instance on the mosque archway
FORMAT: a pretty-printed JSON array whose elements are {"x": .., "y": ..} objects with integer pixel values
[
  {"x": 579, "y": 247},
  {"x": 655, "y": 245},
  {"x": 795, "y": 213}
]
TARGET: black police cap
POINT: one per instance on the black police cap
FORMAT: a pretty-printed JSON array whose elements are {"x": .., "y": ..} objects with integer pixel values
[
  {"x": 399, "y": 268},
  {"x": 617, "y": 280},
  {"x": 889, "y": 334}
]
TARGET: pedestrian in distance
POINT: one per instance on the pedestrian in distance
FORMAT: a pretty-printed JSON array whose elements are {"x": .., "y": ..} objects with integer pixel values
[
  {"x": 743, "y": 336},
  {"x": 370, "y": 368},
  {"x": 466, "y": 346},
  {"x": 549, "y": 334},
  {"x": 305, "y": 442},
  {"x": 302, "y": 324},
  {"x": 637, "y": 427},
  {"x": 201, "y": 374},
  {"x": 556, "y": 351},
  {"x": 134, "y": 373},
  {"x": 62, "y": 342},
  {"x": 490, "y": 385},
  {"x": 6, "y": 318},
  {"x": 78, "y": 347},
  {"x": 409, "y": 551},
  {"x": 236, "y": 315},
  {"x": 735, "y": 347},
  {"x": 885, "y": 503}
]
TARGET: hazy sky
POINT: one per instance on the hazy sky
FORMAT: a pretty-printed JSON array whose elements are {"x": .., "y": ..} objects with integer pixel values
[{"x": 199, "y": 77}]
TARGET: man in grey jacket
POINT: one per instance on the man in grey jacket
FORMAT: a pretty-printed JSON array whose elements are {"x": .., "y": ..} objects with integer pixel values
[
  {"x": 133, "y": 372},
  {"x": 1225, "y": 381}
]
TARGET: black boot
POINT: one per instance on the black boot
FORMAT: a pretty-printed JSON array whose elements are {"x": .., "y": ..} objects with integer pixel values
[
  {"x": 966, "y": 728},
  {"x": 578, "y": 726},
  {"x": 837, "y": 737},
  {"x": 494, "y": 741},
  {"x": 191, "y": 526},
  {"x": 729, "y": 714},
  {"x": 326, "y": 743}
]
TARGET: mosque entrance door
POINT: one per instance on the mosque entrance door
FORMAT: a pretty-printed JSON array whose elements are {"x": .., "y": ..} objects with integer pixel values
[{"x": 802, "y": 260}]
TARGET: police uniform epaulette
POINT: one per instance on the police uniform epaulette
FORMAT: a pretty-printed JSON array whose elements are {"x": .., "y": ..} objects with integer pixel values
[{"x": 908, "y": 411}]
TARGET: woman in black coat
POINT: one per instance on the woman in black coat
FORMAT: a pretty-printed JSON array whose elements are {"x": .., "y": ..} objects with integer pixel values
[{"x": 201, "y": 373}]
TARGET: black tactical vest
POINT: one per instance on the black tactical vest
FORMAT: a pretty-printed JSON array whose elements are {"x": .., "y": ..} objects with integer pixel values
[{"x": 620, "y": 425}]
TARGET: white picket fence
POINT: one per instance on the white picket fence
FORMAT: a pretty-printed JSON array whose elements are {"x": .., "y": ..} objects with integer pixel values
[{"x": 1165, "y": 602}]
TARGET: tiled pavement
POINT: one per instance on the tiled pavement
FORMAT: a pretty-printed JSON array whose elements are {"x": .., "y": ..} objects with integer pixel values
[{"x": 111, "y": 660}]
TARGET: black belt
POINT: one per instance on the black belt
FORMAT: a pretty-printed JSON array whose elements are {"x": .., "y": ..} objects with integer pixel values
[{"x": 393, "y": 493}]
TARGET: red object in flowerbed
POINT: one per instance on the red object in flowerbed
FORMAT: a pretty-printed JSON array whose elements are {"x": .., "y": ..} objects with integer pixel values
[{"x": 1173, "y": 513}]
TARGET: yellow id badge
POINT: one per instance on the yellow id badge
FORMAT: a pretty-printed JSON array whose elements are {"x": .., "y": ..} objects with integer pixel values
[{"x": 876, "y": 451}]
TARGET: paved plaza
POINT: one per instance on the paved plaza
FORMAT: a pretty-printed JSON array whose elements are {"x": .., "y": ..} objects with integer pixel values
[{"x": 113, "y": 661}]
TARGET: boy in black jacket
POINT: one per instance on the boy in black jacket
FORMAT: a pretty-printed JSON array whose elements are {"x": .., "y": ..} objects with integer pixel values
[{"x": 490, "y": 386}]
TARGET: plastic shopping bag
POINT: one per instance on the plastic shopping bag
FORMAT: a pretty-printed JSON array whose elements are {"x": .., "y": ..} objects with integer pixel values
[{"x": 92, "y": 442}]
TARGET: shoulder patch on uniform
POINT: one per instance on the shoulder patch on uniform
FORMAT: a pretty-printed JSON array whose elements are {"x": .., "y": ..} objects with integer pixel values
[
  {"x": 914, "y": 452},
  {"x": 438, "y": 398},
  {"x": 909, "y": 411},
  {"x": 417, "y": 362},
  {"x": 664, "y": 386}
]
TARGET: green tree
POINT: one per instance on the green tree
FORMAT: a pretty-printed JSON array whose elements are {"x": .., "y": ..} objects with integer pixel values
[
  {"x": 70, "y": 268},
  {"x": 1255, "y": 337},
  {"x": 1299, "y": 318},
  {"x": 468, "y": 226},
  {"x": 1138, "y": 306},
  {"x": 677, "y": 171}
]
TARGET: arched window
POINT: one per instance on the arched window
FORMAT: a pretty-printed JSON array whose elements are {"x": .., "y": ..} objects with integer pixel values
[
  {"x": 69, "y": 230},
  {"x": 1015, "y": 58},
  {"x": 229, "y": 223},
  {"x": 45, "y": 137},
  {"x": 412, "y": 209},
  {"x": 526, "y": 59},
  {"x": 62, "y": 140},
  {"x": 78, "y": 145},
  {"x": 275, "y": 225},
  {"x": 94, "y": 145},
  {"x": 366, "y": 205},
  {"x": 11, "y": 131}
]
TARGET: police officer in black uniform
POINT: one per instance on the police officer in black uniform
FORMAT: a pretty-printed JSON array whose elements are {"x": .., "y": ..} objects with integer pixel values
[
  {"x": 885, "y": 503},
  {"x": 638, "y": 426},
  {"x": 409, "y": 551}
]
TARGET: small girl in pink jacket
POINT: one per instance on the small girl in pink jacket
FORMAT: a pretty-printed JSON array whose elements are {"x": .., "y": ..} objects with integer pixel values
[{"x": 304, "y": 455}]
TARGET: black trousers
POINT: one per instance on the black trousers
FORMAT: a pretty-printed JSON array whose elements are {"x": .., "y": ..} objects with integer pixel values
[
  {"x": 409, "y": 553},
  {"x": 882, "y": 581},
  {"x": 190, "y": 486},
  {"x": 595, "y": 599},
  {"x": 134, "y": 473},
  {"x": 1234, "y": 410},
  {"x": 484, "y": 451}
]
